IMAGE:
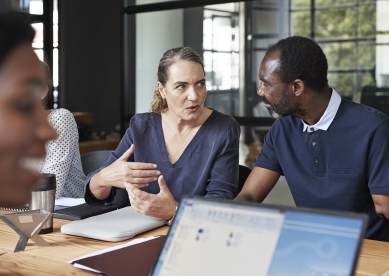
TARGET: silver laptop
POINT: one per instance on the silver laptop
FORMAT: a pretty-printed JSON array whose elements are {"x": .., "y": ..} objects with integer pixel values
[{"x": 223, "y": 237}]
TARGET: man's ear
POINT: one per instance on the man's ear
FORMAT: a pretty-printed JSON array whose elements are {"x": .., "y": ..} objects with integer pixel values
[
  {"x": 161, "y": 89},
  {"x": 298, "y": 87}
]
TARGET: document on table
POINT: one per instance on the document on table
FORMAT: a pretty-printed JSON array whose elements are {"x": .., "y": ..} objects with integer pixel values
[
  {"x": 138, "y": 255},
  {"x": 65, "y": 202}
]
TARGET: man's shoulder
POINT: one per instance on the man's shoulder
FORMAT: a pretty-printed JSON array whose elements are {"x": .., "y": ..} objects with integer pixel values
[{"x": 356, "y": 112}]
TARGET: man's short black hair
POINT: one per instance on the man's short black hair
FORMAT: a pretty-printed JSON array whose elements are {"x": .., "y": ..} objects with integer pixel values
[
  {"x": 301, "y": 58},
  {"x": 14, "y": 30}
]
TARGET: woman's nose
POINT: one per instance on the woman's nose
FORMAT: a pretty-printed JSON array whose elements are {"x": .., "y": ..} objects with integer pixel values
[
  {"x": 192, "y": 95},
  {"x": 44, "y": 131}
]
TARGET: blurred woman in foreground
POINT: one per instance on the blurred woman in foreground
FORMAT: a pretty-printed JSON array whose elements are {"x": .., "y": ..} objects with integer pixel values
[{"x": 24, "y": 129}]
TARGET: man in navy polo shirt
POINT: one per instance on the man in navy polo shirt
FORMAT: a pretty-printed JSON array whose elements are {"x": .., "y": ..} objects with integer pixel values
[{"x": 333, "y": 153}]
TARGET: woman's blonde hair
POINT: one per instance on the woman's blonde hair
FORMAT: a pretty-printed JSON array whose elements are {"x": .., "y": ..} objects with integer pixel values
[{"x": 171, "y": 56}]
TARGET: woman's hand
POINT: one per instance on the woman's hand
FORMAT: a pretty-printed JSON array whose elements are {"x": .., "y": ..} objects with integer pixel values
[
  {"x": 120, "y": 172},
  {"x": 136, "y": 173},
  {"x": 161, "y": 205}
]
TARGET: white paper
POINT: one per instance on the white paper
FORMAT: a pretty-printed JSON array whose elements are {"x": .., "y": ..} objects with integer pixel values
[
  {"x": 87, "y": 268},
  {"x": 69, "y": 202}
]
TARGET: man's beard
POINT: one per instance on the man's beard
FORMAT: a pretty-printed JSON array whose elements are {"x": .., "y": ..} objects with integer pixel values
[{"x": 284, "y": 107}]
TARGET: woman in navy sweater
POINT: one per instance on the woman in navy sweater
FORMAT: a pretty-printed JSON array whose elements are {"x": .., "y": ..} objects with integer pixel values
[{"x": 181, "y": 147}]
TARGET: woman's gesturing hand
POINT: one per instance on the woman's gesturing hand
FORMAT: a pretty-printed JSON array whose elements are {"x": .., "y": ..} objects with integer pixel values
[
  {"x": 161, "y": 205},
  {"x": 136, "y": 173}
]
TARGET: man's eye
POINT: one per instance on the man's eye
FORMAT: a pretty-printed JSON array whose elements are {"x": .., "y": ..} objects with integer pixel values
[
  {"x": 180, "y": 87},
  {"x": 201, "y": 84}
]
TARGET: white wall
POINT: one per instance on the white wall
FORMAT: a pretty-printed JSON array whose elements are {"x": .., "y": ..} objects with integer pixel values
[
  {"x": 156, "y": 32},
  {"x": 382, "y": 54}
]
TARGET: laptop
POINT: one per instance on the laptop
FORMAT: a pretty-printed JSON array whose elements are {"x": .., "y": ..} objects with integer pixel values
[{"x": 224, "y": 237}]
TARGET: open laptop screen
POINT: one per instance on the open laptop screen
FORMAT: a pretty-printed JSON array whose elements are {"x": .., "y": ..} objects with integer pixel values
[{"x": 219, "y": 237}]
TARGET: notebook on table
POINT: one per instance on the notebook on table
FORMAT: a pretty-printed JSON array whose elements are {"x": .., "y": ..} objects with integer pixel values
[
  {"x": 114, "y": 226},
  {"x": 83, "y": 211},
  {"x": 218, "y": 237}
]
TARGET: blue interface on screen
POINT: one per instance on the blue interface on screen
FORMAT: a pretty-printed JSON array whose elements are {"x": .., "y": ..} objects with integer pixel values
[{"x": 212, "y": 238}]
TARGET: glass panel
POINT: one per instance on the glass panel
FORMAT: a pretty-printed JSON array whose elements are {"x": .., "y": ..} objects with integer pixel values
[
  {"x": 207, "y": 60},
  {"x": 377, "y": 98},
  {"x": 301, "y": 23},
  {"x": 207, "y": 34},
  {"x": 366, "y": 54},
  {"x": 382, "y": 15},
  {"x": 235, "y": 70},
  {"x": 40, "y": 54},
  {"x": 256, "y": 61},
  {"x": 55, "y": 23},
  {"x": 36, "y": 7},
  {"x": 38, "y": 39},
  {"x": 300, "y": 4},
  {"x": 339, "y": 55},
  {"x": 222, "y": 70},
  {"x": 335, "y": 23},
  {"x": 367, "y": 21},
  {"x": 319, "y": 3},
  {"x": 225, "y": 102},
  {"x": 228, "y": 7},
  {"x": 55, "y": 67},
  {"x": 208, "y": 12},
  {"x": 343, "y": 83},
  {"x": 264, "y": 43},
  {"x": 266, "y": 22},
  {"x": 222, "y": 34},
  {"x": 367, "y": 79},
  {"x": 55, "y": 96},
  {"x": 382, "y": 66}
]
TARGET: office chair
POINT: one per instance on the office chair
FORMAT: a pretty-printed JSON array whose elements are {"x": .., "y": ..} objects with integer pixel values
[
  {"x": 244, "y": 172},
  {"x": 91, "y": 161}
]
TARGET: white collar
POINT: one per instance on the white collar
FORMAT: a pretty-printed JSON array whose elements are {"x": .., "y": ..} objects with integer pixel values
[{"x": 328, "y": 116}]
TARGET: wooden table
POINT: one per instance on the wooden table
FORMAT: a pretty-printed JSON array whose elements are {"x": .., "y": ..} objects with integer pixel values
[
  {"x": 51, "y": 260},
  {"x": 373, "y": 260}
]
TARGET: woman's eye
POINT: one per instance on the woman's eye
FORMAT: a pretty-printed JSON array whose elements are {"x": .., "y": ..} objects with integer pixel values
[
  {"x": 25, "y": 106},
  {"x": 201, "y": 84},
  {"x": 180, "y": 87}
]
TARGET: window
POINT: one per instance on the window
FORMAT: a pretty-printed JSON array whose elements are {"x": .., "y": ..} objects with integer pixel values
[
  {"x": 221, "y": 56},
  {"x": 46, "y": 29},
  {"x": 346, "y": 30}
]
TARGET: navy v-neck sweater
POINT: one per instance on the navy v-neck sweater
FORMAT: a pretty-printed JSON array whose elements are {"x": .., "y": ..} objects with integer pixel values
[{"x": 207, "y": 167}]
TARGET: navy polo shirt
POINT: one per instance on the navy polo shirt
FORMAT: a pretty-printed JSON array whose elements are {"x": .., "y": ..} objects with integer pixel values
[{"x": 336, "y": 169}]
